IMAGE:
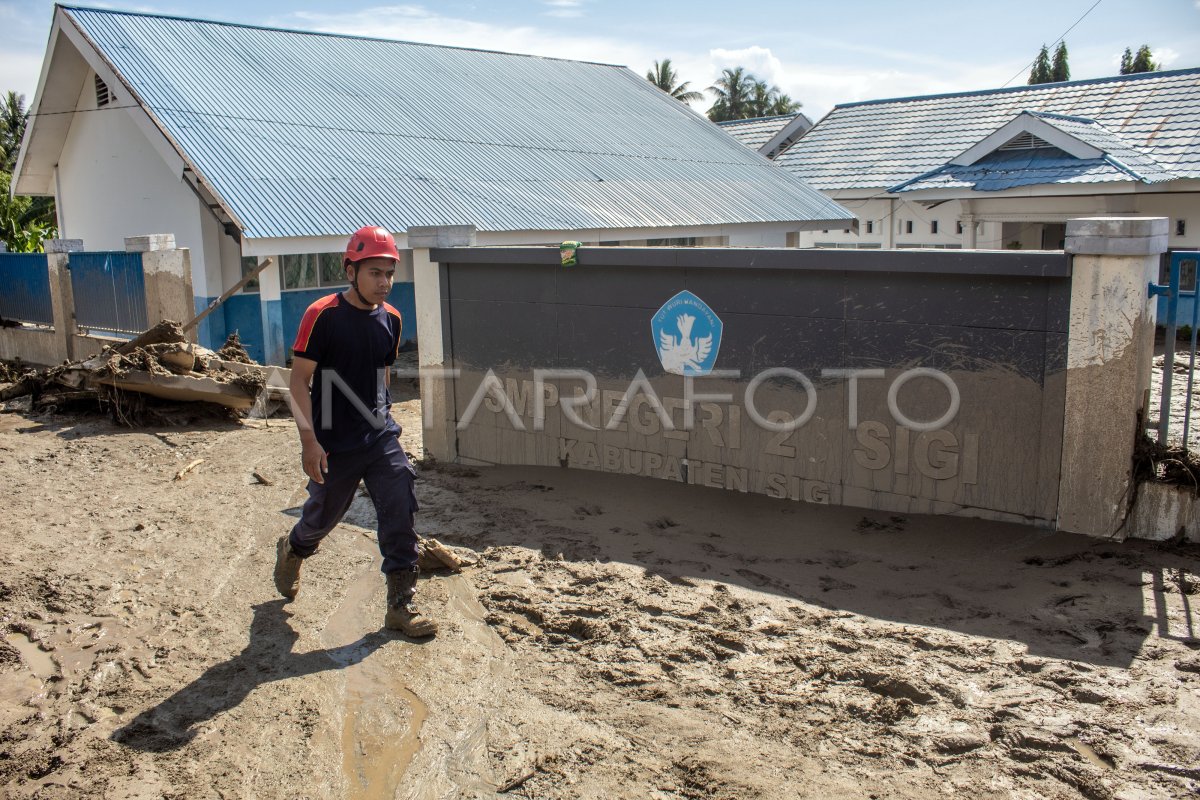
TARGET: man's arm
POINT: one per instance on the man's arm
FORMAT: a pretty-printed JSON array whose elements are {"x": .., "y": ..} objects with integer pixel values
[{"x": 312, "y": 454}]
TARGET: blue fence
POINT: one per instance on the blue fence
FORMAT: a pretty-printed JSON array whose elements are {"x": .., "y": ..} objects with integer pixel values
[
  {"x": 25, "y": 288},
  {"x": 109, "y": 291}
]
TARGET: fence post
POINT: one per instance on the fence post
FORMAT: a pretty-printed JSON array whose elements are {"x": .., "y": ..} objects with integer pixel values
[
  {"x": 433, "y": 333},
  {"x": 62, "y": 299},
  {"x": 167, "y": 272},
  {"x": 1110, "y": 346}
]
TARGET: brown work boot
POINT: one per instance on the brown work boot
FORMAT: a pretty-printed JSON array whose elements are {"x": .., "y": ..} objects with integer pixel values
[
  {"x": 287, "y": 569},
  {"x": 401, "y": 614}
]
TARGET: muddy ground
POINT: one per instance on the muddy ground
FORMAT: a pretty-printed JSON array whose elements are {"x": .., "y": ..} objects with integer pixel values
[{"x": 619, "y": 638}]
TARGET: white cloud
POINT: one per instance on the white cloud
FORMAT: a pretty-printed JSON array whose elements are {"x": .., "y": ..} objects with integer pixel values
[
  {"x": 1165, "y": 56},
  {"x": 26, "y": 27},
  {"x": 19, "y": 72},
  {"x": 820, "y": 86},
  {"x": 564, "y": 9},
  {"x": 415, "y": 23}
]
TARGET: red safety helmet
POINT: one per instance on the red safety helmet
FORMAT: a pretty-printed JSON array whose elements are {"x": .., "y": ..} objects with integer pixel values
[{"x": 371, "y": 242}]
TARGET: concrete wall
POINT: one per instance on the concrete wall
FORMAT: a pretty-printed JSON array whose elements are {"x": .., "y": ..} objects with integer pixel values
[
  {"x": 1004, "y": 385},
  {"x": 992, "y": 326}
]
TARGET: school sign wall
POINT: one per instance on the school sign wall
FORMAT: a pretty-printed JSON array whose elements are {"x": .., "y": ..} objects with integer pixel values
[{"x": 908, "y": 381}]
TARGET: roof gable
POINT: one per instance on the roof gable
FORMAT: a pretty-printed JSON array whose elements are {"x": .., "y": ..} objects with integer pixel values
[
  {"x": 768, "y": 135},
  {"x": 303, "y": 134},
  {"x": 1035, "y": 125},
  {"x": 882, "y": 143}
]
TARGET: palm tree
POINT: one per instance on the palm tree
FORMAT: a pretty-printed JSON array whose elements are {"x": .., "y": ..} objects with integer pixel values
[
  {"x": 13, "y": 117},
  {"x": 735, "y": 94},
  {"x": 782, "y": 104},
  {"x": 666, "y": 78}
]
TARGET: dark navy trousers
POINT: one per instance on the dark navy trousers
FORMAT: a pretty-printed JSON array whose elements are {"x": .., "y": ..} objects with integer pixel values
[{"x": 386, "y": 471}]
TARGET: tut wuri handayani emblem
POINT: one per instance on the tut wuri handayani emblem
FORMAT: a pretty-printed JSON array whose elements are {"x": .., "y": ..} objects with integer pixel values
[{"x": 687, "y": 335}]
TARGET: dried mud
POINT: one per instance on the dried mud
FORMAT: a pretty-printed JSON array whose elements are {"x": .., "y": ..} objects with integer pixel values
[{"x": 617, "y": 638}]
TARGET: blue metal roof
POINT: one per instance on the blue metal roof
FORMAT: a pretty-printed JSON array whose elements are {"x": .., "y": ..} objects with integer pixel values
[
  {"x": 883, "y": 143},
  {"x": 303, "y": 134}
]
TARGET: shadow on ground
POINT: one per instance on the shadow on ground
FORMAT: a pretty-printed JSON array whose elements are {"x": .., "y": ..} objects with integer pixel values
[
  {"x": 1062, "y": 595},
  {"x": 268, "y": 656}
]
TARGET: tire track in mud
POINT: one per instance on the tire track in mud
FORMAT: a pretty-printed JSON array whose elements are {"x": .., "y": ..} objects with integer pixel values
[{"x": 382, "y": 717}]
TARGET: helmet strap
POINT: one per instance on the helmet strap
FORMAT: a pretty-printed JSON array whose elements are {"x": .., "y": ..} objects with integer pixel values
[{"x": 354, "y": 286}]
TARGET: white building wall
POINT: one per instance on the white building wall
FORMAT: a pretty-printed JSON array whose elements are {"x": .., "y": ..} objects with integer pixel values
[
  {"x": 1018, "y": 216},
  {"x": 112, "y": 184}
]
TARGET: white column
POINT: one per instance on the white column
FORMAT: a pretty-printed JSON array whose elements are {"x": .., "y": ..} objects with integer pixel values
[
  {"x": 433, "y": 304},
  {"x": 1110, "y": 344}
]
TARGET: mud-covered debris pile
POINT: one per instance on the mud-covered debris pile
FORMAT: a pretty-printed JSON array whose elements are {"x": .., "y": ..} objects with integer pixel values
[
  {"x": 1172, "y": 463},
  {"x": 139, "y": 378},
  {"x": 233, "y": 350}
]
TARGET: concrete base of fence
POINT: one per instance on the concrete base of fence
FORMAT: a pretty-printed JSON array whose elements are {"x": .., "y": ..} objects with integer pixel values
[
  {"x": 1162, "y": 512},
  {"x": 37, "y": 346}
]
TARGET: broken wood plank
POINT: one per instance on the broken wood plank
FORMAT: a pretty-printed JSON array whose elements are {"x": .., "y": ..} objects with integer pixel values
[{"x": 230, "y": 292}]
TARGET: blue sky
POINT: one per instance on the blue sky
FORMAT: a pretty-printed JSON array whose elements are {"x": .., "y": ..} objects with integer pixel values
[{"x": 819, "y": 53}]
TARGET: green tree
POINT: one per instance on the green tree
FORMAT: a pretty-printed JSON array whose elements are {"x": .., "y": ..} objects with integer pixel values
[
  {"x": 742, "y": 96},
  {"x": 782, "y": 104},
  {"x": 1059, "y": 70},
  {"x": 13, "y": 118},
  {"x": 735, "y": 92},
  {"x": 24, "y": 221},
  {"x": 1142, "y": 61},
  {"x": 23, "y": 228},
  {"x": 1041, "y": 68},
  {"x": 666, "y": 78},
  {"x": 768, "y": 101}
]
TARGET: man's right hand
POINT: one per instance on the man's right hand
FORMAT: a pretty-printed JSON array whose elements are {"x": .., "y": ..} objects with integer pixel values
[{"x": 315, "y": 462}]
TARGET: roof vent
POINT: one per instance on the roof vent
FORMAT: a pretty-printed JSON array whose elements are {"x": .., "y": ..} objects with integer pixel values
[
  {"x": 102, "y": 96},
  {"x": 1025, "y": 141}
]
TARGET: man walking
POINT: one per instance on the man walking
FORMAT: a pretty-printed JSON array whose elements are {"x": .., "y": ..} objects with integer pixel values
[{"x": 341, "y": 404}]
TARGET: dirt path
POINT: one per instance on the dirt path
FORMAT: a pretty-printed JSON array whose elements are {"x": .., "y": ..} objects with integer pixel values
[{"x": 619, "y": 638}]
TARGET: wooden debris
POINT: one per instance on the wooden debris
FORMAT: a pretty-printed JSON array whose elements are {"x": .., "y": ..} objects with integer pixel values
[{"x": 179, "y": 475}]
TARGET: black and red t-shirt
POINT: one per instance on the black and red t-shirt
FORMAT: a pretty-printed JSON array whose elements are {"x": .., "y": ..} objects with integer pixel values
[{"x": 352, "y": 347}]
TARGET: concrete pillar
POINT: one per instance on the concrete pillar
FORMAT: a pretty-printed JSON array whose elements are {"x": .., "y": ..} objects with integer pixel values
[
  {"x": 433, "y": 334},
  {"x": 62, "y": 298},
  {"x": 270, "y": 298},
  {"x": 168, "y": 278},
  {"x": 1110, "y": 344},
  {"x": 970, "y": 234}
]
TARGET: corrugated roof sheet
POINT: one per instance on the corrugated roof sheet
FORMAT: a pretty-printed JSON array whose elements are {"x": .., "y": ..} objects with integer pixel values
[
  {"x": 881, "y": 143},
  {"x": 306, "y": 134},
  {"x": 756, "y": 132}
]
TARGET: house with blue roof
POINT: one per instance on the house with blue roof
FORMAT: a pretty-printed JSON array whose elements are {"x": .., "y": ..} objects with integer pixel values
[
  {"x": 1006, "y": 168},
  {"x": 247, "y": 142}
]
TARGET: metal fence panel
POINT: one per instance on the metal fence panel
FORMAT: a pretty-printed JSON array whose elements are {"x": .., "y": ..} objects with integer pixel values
[
  {"x": 25, "y": 288},
  {"x": 1182, "y": 264},
  {"x": 110, "y": 291}
]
